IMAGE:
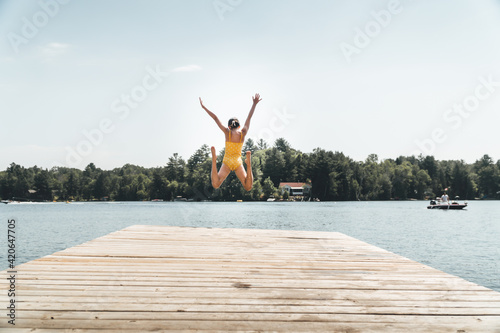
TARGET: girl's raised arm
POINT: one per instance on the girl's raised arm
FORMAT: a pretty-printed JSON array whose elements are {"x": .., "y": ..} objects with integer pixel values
[
  {"x": 256, "y": 99},
  {"x": 214, "y": 117}
]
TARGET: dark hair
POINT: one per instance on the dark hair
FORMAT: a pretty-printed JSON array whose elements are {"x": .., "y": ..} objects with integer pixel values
[{"x": 233, "y": 123}]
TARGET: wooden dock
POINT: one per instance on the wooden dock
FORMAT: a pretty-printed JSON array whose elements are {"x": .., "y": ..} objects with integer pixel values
[{"x": 157, "y": 278}]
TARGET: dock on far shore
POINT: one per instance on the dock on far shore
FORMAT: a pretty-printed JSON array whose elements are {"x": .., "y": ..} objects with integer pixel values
[{"x": 161, "y": 278}]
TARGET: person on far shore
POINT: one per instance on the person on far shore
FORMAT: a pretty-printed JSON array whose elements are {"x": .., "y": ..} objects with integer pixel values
[{"x": 234, "y": 143}]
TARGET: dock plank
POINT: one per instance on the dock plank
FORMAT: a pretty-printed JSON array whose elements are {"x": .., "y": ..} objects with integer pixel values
[{"x": 158, "y": 278}]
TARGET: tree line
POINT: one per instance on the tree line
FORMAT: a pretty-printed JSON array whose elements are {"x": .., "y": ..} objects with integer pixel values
[{"x": 333, "y": 176}]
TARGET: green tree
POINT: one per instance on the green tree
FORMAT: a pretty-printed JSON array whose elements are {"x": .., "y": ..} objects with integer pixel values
[
  {"x": 423, "y": 181},
  {"x": 16, "y": 182},
  {"x": 268, "y": 188},
  {"x": 199, "y": 168},
  {"x": 262, "y": 144},
  {"x": 250, "y": 146},
  {"x": 321, "y": 171},
  {"x": 42, "y": 185},
  {"x": 175, "y": 168},
  {"x": 402, "y": 180},
  {"x": 158, "y": 186},
  {"x": 488, "y": 177},
  {"x": 101, "y": 186},
  {"x": 71, "y": 185},
  {"x": 274, "y": 167},
  {"x": 346, "y": 171},
  {"x": 282, "y": 145},
  {"x": 257, "y": 191},
  {"x": 371, "y": 187},
  {"x": 200, "y": 156}
]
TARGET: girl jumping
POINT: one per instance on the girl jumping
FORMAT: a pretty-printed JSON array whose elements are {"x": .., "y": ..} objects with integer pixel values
[{"x": 234, "y": 143}]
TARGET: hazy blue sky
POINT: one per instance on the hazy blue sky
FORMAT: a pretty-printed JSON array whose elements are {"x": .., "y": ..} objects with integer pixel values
[{"x": 118, "y": 81}]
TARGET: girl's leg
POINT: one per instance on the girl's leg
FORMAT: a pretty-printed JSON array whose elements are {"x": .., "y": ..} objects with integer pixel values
[
  {"x": 249, "y": 178},
  {"x": 218, "y": 177},
  {"x": 246, "y": 177}
]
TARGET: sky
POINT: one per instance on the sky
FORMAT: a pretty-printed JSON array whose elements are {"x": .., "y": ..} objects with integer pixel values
[{"x": 118, "y": 81}]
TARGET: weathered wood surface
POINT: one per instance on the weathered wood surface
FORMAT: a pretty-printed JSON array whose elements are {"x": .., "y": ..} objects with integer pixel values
[{"x": 157, "y": 278}]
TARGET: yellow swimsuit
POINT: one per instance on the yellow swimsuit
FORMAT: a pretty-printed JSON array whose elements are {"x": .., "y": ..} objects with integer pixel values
[{"x": 232, "y": 156}]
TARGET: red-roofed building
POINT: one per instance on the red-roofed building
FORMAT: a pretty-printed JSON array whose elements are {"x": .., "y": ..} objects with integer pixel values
[{"x": 294, "y": 189}]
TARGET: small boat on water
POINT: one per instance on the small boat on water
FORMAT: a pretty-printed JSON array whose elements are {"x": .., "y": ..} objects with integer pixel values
[{"x": 438, "y": 204}]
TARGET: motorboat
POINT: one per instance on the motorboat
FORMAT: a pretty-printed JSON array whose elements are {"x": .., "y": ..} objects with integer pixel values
[{"x": 438, "y": 204}]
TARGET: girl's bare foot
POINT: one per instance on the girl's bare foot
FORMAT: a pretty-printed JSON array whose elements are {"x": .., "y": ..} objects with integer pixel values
[
  {"x": 215, "y": 176},
  {"x": 248, "y": 159},
  {"x": 214, "y": 156},
  {"x": 249, "y": 179}
]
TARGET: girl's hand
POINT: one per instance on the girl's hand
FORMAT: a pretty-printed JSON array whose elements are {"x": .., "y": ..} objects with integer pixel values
[{"x": 256, "y": 99}]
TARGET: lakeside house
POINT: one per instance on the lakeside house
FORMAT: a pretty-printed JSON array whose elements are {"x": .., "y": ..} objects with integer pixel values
[{"x": 296, "y": 189}]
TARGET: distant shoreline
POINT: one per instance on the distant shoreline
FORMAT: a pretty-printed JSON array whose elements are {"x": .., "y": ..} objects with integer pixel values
[{"x": 326, "y": 175}]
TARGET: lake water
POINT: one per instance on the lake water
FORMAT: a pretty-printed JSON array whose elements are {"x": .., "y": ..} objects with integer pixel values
[{"x": 463, "y": 243}]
